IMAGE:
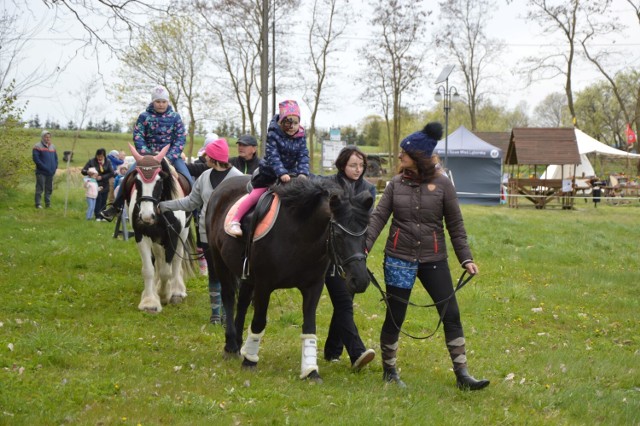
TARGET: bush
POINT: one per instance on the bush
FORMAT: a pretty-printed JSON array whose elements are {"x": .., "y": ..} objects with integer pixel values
[{"x": 14, "y": 143}]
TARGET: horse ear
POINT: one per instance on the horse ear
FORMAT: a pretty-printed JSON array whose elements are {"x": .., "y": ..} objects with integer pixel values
[
  {"x": 136, "y": 155},
  {"x": 159, "y": 156},
  {"x": 334, "y": 202},
  {"x": 367, "y": 199}
]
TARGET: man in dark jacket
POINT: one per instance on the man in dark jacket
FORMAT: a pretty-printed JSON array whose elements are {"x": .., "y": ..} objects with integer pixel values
[
  {"x": 247, "y": 160},
  {"x": 46, "y": 159}
]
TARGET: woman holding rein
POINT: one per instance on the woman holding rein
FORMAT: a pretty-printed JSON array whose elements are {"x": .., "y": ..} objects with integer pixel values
[{"x": 421, "y": 198}]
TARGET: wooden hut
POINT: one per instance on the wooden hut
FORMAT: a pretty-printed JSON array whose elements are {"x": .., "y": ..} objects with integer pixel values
[{"x": 530, "y": 152}]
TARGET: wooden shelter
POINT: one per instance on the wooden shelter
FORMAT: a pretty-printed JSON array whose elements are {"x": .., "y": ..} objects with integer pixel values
[{"x": 530, "y": 151}]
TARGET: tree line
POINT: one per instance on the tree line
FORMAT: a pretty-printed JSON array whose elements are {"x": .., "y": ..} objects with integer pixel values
[{"x": 214, "y": 57}]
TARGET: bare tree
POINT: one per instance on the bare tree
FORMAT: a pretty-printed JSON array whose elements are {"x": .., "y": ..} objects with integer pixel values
[
  {"x": 602, "y": 58},
  {"x": 327, "y": 25},
  {"x": 552, "y": 111},
  {"x": 568, "y": 19},
  {"x": 465, "y": 38},
  {"x": 377, "y": 83},
  {"x": 14, "y": 43},
  {"x": 399, "y": 27},
  {"x": 110, "y": 23}
]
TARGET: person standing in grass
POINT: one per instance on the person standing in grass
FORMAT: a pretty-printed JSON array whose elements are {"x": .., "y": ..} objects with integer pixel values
[
  {"x": 421, "y": 201},
  {"x": 45, "y": 158},
  {"x": 105, "y": 172},
  {"x": 343, "y": 332},
  {"x": 91, "y": 190},
  {"x": 217, "y": 158}
]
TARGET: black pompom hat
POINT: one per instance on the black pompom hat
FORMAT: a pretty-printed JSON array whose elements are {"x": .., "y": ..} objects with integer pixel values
[{"x": 423, "y": 141}]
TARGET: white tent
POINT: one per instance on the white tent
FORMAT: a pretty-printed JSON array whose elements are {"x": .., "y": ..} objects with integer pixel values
[{"x": 586, "y": 145}]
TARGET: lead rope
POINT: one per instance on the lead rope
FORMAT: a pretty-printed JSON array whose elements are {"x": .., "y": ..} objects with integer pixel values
[{"x": 385, "y": 297}]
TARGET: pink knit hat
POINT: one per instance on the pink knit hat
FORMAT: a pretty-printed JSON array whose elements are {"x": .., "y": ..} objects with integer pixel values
[
  {"x": 287, "y": 109},
  {"x": 218, "y": 150}
]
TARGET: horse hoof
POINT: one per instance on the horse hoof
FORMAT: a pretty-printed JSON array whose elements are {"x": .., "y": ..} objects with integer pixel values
[
  {"x": 249, "y": 365},
  {"x": 151, "y": 310},
  {"x": 231, "y": 355},
  {"x": 314, "y": 377},
  {"x": 175, "y": 300}
]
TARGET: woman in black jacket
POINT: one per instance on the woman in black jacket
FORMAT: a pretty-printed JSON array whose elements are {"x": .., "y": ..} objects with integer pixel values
[
  {"x": 343, "y": 333},
  {"x": 105, "y": 172}
]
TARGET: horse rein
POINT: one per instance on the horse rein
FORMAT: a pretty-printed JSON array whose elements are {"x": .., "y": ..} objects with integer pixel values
[
  {"x": 385, "y": 296},
  {"x": 339, "y": 263}
]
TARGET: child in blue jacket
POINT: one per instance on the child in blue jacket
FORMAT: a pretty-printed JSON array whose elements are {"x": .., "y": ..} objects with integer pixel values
[{"x": 286, "y": 155}]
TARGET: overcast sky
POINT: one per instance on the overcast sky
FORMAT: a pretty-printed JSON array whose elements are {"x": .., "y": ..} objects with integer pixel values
[{"x": 522, "y": 38}]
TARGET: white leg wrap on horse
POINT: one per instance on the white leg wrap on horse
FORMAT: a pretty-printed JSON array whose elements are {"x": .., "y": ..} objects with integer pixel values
[
  {"x": 309, "y": 354},
  {"x": 251, "y": 346}
]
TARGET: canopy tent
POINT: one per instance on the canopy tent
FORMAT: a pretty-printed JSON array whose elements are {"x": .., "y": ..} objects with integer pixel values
[
  {"x": 586, "y": 145},
  {"x": 475, "y": 166}
]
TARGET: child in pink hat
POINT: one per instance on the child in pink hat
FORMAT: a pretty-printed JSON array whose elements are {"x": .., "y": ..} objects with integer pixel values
[{"x": 286, "y": 154}]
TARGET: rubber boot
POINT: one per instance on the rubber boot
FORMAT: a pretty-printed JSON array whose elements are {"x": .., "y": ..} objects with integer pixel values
[
  {"x": 251, "y": 346},
  {"x": 309, "y": 362},
  {"x": 389, "y": 349},
  {"x": 467, "y": 382},
  {"x": 457, "y": 352}
]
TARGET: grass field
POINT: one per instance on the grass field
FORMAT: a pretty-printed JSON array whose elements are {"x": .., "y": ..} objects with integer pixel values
[{"x": 551, "y": 320}]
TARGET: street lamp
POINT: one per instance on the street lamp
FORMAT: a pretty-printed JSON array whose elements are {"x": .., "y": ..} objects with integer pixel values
[{"x": 447, "y": 94}]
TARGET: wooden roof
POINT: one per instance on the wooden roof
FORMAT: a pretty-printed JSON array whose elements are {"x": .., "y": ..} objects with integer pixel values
[
  {"x": 497, "y": 139},
  {"x": 543, "y": 146}
]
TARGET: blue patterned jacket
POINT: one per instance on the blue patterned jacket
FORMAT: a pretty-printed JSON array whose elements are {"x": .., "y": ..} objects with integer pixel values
[
  {"x": 284, "y": 154},
  {"x": 153, "y": 131}
]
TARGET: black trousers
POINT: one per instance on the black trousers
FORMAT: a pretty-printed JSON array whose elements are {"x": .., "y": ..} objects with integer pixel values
[
  {"x": 343, "y": 332},
  {"x": 436, "y": 279}
]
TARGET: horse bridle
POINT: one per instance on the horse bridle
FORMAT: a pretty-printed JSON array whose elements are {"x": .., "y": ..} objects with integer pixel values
[
  {"x": 147, "y": 174},
  {"x": 333, "y": 253}
]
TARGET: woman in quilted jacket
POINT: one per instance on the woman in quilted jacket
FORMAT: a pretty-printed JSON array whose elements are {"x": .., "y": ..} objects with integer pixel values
[{"x": 420, "y": 199}]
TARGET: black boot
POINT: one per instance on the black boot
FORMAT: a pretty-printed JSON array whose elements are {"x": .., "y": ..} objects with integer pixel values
[
  {"x": 111, "y": 212},
  {"x": 390, "y": 375},
  {"x": 467, "y": 382}
]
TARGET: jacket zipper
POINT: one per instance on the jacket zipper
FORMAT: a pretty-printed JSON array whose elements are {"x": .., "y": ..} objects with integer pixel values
[
  {"x": 435, "y": 242},
  {"x": 395, "y": 239}
]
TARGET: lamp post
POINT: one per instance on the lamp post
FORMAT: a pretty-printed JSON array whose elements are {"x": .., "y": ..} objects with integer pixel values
[{"x": 447, "y": 94}]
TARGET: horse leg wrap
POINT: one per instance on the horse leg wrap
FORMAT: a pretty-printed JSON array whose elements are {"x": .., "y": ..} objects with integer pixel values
[
  {"x": 309, "y": 354},
  {"x": 251, "y": 346}
]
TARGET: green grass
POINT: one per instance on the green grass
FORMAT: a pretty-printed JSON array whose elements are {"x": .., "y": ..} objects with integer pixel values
[{"x": 551, "y": 320}]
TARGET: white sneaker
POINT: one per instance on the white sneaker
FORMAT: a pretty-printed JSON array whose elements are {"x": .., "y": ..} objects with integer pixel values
[
  {"x": 365, "y": 358},
  {"x": 233, "y": 228}
]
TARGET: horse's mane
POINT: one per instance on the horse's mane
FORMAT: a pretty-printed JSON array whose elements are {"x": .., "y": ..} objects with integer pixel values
[{"x": 303, "y": 197}]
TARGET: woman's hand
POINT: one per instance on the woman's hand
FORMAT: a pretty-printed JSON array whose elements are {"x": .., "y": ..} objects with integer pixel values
[{"x": 471, "y": 268}]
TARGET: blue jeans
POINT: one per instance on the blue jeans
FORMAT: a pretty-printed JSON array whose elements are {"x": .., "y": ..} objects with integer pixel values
[{"x": 91, "y": 205}]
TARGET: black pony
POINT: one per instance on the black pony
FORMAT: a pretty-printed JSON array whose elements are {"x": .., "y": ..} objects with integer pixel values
[{"x": 317, "y": 223}]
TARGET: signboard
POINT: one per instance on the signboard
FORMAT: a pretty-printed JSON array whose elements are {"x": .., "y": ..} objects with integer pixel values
[
  {"x": 334, "y": 134},
  {"x": 330, "y": 151}
]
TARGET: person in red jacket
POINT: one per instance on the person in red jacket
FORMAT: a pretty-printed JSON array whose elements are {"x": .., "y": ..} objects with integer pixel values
[{"x": 420, "y": 199}]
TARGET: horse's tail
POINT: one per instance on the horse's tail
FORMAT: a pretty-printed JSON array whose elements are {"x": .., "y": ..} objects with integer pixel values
[{"x": 189, "y": 263}]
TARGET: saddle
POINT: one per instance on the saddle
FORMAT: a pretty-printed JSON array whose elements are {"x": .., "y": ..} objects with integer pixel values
[{"x": 257, "y": 222}]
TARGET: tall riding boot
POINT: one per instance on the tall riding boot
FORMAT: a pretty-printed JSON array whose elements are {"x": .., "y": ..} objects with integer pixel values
[
  {"x": 458, "y": 355},
  {"x": 389, "y": 349}
]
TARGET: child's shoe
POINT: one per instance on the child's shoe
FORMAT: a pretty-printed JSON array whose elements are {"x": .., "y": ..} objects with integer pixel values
[{"x": 233, "y": 228}]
